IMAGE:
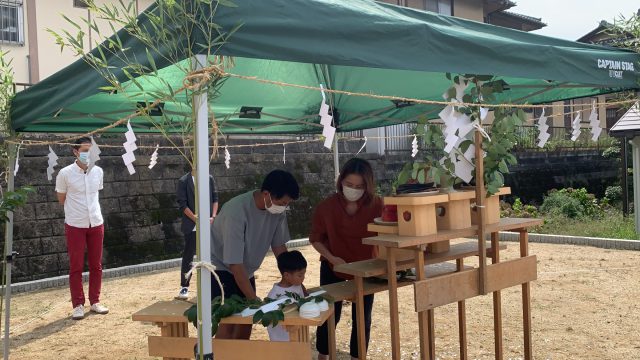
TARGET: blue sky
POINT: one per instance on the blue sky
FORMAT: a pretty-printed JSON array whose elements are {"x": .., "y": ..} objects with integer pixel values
[{"x": 571, "y": 19}]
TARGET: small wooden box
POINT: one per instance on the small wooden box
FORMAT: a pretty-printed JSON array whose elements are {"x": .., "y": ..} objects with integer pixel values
[
  {"x": 455, "y": 214},
  {"x": 492, "y": 206},
  {"x": 416, "y": 215}
]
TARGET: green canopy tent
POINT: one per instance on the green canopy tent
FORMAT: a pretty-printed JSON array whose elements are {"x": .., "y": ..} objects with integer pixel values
[
  {"x": 360, "y": 46},
  {"x": 356, "y": 46}
]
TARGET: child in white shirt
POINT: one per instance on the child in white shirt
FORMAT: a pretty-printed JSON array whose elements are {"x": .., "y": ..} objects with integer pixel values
[{"x": 292, "y": 266}]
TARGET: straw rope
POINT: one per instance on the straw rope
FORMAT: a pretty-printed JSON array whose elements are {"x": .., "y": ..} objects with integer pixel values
[{"x": 198, "y": 79}]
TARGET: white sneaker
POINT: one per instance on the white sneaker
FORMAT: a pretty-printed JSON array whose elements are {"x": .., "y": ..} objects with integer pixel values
[
  {"x": 183, "y": 294},
  {"x": 99, "y": 309},
  {"x": 78, "y": 313}
]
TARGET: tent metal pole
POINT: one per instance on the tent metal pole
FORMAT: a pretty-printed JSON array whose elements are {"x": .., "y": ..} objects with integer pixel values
[
  {"x": 8, "y": 254},
  {"x": 480, "y": 201},
  {"x": 635, "y": 144},
  {"x": 336, "y": 157},
  {"x": 625, "y": 178},
  {"x": 203, "y": 205}
]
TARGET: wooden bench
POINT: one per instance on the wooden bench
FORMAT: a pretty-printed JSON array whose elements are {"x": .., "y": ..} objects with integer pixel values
[{"x": 174, "y": 342}]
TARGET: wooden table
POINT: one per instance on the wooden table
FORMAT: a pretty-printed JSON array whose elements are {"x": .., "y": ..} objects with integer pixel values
[
  {"x": 426, "y": 318},
  {"x": 175, "y": 343}
]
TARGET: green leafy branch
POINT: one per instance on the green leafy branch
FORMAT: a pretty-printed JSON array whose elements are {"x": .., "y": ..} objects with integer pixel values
[
  {"x": 11, "y": 200},
  {"x": 236, "y": 304},
  {"x": 172, "y": 34},
  {"x": 438, "y": 167}
]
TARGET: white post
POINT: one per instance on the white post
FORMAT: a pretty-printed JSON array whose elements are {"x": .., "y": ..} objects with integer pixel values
[
  {"x": 635, "y": 145},
  {"x": 203, "y": 203},
  {"x": 8, "y": 256},
  {"x": 336, "y": 157}
]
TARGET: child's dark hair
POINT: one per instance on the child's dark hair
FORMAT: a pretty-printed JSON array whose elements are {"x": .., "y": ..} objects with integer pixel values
[{"x": 291, "y": 261}]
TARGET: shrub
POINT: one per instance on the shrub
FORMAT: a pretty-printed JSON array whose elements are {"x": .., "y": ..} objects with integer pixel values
[
  {"x": 518, "y": 209},
  {"x": 613, "y": 193},
  {"x": 612, "y": 152},
  {"x": 572, "y": 203}
]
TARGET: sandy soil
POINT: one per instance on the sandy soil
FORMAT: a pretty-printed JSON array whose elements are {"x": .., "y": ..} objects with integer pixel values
[{"x": 584, "y": 307}]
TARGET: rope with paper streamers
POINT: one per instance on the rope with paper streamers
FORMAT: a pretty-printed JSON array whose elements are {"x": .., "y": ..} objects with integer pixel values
[
  {"x": 219, "y": 147},
  {"x": 67, "y": 141},
  {"x": 209, "y": 266}
]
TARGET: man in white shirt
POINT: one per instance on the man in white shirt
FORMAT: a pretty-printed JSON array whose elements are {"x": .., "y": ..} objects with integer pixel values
[{"x": 77, "y": 189}]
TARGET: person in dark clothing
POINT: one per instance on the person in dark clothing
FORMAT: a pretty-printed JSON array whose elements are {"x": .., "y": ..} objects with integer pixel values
[{"x": 186, "y": 198}]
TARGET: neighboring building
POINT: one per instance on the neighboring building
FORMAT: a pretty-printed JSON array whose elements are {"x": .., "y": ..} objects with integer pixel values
[
  {"x": 24, "y": 34},
  {"x": 488, "y": 11}
]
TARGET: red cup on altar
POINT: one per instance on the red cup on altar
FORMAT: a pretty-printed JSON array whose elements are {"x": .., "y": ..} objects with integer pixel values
[{"x": 390, "y": 213}]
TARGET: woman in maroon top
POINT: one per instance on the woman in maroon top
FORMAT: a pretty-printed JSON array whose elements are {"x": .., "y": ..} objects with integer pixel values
[{"x": 339, "y": 225}]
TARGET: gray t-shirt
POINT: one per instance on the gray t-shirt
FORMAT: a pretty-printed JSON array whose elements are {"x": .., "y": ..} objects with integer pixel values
[{"x": 243, "y": 234}]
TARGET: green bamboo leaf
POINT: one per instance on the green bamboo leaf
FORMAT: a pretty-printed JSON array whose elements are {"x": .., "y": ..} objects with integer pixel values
[{"x": 227, "y": 3}]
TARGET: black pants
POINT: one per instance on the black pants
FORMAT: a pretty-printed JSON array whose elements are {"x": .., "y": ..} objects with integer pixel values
[
  {"x": 327, "y": 276},
  {"x": 187, "y": 257},
  {"x": 229, "y": 284}
]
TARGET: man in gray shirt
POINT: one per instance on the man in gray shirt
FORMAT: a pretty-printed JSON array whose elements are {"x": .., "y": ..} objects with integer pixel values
[{"x": 247, "y": 226}]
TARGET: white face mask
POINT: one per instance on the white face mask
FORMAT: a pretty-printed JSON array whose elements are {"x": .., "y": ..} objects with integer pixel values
[
  {"x": 352, "y": 194},
  {"x": 274, "y": 209},
  {"x": 83, "y": 157}
]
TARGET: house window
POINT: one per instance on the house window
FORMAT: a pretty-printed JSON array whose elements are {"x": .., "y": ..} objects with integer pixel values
[
  {"x": 11, "y": 22},
  {"x": 443, "y": 7},
  {"x": 80, "y": 4},
  {"x": 440, "y": 6},
  {"x": 613, "y": 115}
]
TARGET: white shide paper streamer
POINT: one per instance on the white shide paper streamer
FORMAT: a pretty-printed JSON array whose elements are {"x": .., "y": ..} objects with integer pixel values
[
  {"x": 130, "y": 146},
  {"x": 543, "y": 129},
  {"x": 594, "y": 123},
  {"x": 227, "y": 157},
  {"x": 154, "y": 158},
  {"x": 53, "y": 161}
]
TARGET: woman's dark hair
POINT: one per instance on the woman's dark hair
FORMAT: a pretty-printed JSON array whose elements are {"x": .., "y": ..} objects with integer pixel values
[
  {"x": 280, "y": 183},
  {"x": 291, "y": 261},
  {"x": 363, "y": 168}
]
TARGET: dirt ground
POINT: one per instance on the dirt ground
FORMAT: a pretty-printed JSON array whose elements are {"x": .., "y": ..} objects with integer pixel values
[{"x": 584, "y": 305}]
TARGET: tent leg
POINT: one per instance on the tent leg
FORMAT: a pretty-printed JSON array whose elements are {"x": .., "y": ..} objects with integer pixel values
[
  {"x": 635, "y": 144},
  {"x": 480, "y": 197},
  {"x": 8, "y": 245},
  {"x": 336, "y": 157},
  {"x": 203, "y": 206},
  {"x": 624, "y": 178}
]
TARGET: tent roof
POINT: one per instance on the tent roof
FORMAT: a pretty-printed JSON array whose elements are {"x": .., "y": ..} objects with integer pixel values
[
  {"x": 357, "y": 46},
  {"x": 628, "y": 124}
]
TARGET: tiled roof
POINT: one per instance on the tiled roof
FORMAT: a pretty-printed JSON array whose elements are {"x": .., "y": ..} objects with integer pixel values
[{"x": 524, "y": 17}]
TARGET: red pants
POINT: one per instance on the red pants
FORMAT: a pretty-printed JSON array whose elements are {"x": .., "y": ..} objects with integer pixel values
[{"x": 79, "y": 239}]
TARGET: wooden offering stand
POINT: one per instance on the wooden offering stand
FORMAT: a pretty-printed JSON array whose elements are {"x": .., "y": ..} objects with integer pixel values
[{"x": 426, "y": 225}]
